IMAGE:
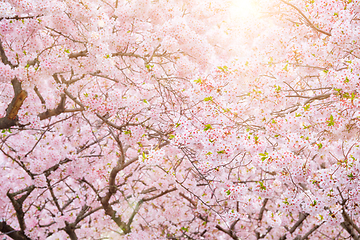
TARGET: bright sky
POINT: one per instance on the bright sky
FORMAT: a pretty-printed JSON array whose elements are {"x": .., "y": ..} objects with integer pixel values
[{"x": 243, "y": 8}]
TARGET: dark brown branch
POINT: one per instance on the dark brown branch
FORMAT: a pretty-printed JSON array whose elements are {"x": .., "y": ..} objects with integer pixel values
[
  {"x": 11, "y": 232},
  {"x": 318, "y": 97},
  {"x": 73, "y": 110},
  {"x": 233, "y": 224},
  {"x": 78, "y": 54},
  {"x": 105, "y": 200},
  {"x": 121, "y": 126},
  {"x": 19, "y": 99},
  {"x": 261, "y": 214},
  {"x": 136, "y": 210},
  {"x": 32, "y": 62},
  {"x": 17, "y": 204},
  {"x": 74, "y": 99},
  {"x": 56, "y": 111},
  {"x": 228, "y": 232},
  {"x": 20, "y": 18},
  {"x": 67, "y": 203},
  {"x": 347, "y": 219},
  {"x": 70, "y": 230},
  {"x": 149, "y": 190},
  {"x": 61, "y": 106},
  {"x": 65, "y": 36},
  {"x": 88, "y": 213},
  {"x": 189, "y": 199},
  {"x": 120, "y": 54},
  {"x": 55, "y": 167},
  {"x": 82, "y": 212},
  {"x": 11, "y": 112},
  {"x": 39, "y": 96},
  {"x": 3, "y": 56},
  {"x": 53, "y": 195},
  {"x": 347, "y": 226},
  {"x": 310, "y": 24},
  {"x": 159, "y": 195},
  {"x": 74, "y": 80},
  {"x": 306, "y": 236},
  {"x": 37, "y": 142},
  {"x": 6, "y": 123},
  {"x": 258, "y": 236},
  {"x": 97, "y": 74},
  {"x": 302, "y": 217},
  {"x": 122, "y": 155}
]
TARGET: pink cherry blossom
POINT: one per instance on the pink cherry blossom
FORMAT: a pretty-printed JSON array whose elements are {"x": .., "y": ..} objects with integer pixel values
[{"x": 178, "y": 120}]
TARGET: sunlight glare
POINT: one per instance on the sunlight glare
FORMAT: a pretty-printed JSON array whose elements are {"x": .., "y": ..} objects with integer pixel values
[{"x": 241, "y": 9}]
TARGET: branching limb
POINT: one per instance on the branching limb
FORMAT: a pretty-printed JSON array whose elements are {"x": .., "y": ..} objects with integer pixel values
[
  {"x": 306, "y": 236},
  {"x": 56, "y": 111},
  {"x": 136, "y": 210},
  {"x": 20, "y": 18},
  {"x": 309, "y": 23},
  {"x": 122, "y": 155},
  {"x": 11, "y": 232},
  {"x": 70, "y": 230},
  {"x": 348, "y": 220},
  {"x": 3, "y": 56},
  {"x": 56, "y": 166},
  {"x": 258, "y": 236},
  {"x": 78, "y": 54},
  {"x": 16, "y": 104},
  {"x": 302, "y": 217},
  {"x": 18, "y": 202},
  {"x": 11, "y": 112},
  {"x": 189, "y": 199},
  {"x": 347, "y": 226},
  {"x": 109, "y": 210},
  {"x": 261, "y": 214},
  {"x": 55, "y": 200},
  {"x": 37, "y": 142},
  {"x": 40, "y": 96},
  {"x": 228, "y": 232},
  {"x": 159, "y": 195},
  {"x": 65, "y": 36},
  {"x": 318, "y": 97}
]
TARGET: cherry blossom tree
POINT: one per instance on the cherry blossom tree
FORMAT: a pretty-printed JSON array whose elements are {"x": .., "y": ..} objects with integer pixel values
[{"x": 170, "y": 119}]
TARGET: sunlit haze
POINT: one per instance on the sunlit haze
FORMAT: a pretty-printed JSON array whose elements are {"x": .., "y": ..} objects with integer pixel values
[{"x": 241, "y": 9}]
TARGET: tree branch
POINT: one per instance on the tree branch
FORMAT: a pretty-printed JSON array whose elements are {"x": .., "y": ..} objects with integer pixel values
[
  {"x": 347, "y": 219},
  {"x": 159, "y": 195},
  {"x": 228, "y": 232},
  {"x": 12, "y": 110},
  {"x": 3, "y": 56},
  {"x": 306, "y": 236},
  {"x": 16, "y": 17},
  {"x": 17, "y": 204},
  {"x": 302, "y": 217},
  {"x": 78, "y": 54},
  {"x": 347, "y": 226},
  {"x": 11, "y": 232},
  {"x": 310, "y": 24},
  {"x": 261, "y": 214},
  {"x": 56, "y": 111}
]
